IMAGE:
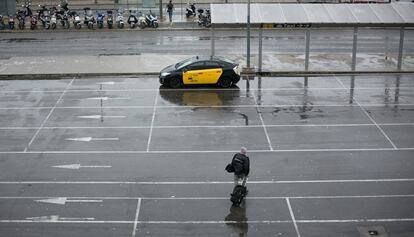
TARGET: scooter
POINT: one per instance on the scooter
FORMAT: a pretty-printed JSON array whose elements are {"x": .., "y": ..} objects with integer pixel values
[
  {"x": 22, "y": 19},
  {"x": 110, "y": 19},
  {"x": 191, "y": 10},
  {"x": 76, "y": 20},
  {"x": 204, "y": 17},
  {"x": 152, "y": 20},
  {"x": 89, "y": 18},
  {"x": 44, "y": 16},
  {"x": 11, "y": 22},
  {"x": 132, "y": 20},
  {"x": 63, "y": 16},
  {"x": 100, "y": 20},
  {"x": 120, "y": 19},
  {"x": 33, "y": 22},
  {"x": 53, "y": 21},
  {"x": 142, "y": 23}
]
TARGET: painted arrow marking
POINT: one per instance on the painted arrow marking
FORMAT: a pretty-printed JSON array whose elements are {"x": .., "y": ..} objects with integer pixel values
[
  {"x": 63, "y": 200},
  {"x": 78, "y": 166},
  {"x": 88, "y": 139},
  {"x": 108, "y": 98},
  {"x": 56, "y": 218},
  {"x": 97, "y": 116}
]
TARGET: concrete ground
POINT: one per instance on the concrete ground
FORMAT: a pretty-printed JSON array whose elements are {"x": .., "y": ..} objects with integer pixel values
[{"x": 120, "y": 156}]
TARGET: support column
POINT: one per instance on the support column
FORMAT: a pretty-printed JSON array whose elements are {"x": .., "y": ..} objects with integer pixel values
[
  {"x": 354, "y": 49},
  {"x": 307, "y": 50},
  {"x": 401, "y": 48},
  {"x": 248, "y": 34},
  {"x": 212, "y": 41},
  {"x": 260, "y": 47}
]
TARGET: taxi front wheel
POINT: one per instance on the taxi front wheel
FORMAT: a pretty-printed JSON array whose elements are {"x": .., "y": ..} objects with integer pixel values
[
  {"x": 175, "y": 83},
  {"x": 225, "y": 82}
]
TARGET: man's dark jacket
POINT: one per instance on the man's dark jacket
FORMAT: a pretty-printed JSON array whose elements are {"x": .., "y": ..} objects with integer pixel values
[{"x": 243, "y": 159}]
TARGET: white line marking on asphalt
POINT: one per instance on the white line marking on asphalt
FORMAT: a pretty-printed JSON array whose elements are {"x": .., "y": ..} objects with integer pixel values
[
  {"x": 293, "y": 217},
  {"x": 216, "y": 198},
  {"x": 217, "y": 126},
  {"x": 134, "y": 231},
  {"x": 152, "y": 122},
  {"x": 47, "y": 117},
  {"x": 89, "y": 220},
  {"x": 369, "y": 116},
  {"x": 64, "y": 200},
  {"x": 204, "y": 106},
  {"x": 78, "y": 166},
  {"x": 213, "y": 182},
  {"x": 212, "y": 151},
  {"x": 263, "y": 124},
  {"x": 108, "y": 98},
  {"x": 88, "y": 139},
  {"x": 98, "y": 116}
]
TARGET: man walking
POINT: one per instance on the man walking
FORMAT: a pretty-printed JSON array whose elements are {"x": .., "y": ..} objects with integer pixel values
[
  {"x": 170, "y": 8},
  {"x": 241, "y": 164}
]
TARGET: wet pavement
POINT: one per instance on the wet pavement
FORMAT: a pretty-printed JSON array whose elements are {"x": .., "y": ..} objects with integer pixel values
[{"x": 125, "y": 157}]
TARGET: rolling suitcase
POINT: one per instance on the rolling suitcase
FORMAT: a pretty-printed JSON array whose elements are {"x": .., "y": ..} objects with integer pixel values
[{"x": 239, "y": 192}]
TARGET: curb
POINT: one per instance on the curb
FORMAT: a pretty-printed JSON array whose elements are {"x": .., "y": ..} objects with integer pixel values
[{"x": 244, "y": 76}]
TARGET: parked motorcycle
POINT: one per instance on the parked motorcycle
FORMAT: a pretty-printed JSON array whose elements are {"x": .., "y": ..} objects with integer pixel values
[
  {"x": 100, "y": 20},
  {"x": 44, "y": 16},
  {"x": 152, "y": 20},
  {"x": 204, "y": 17},
  {"x": 191, "y": 10},
  {"x": 132, "y": 20},
  {"x": 63, "y": 16},
  {"x": 2, "y": 25},
  {"x": 110, "y": 19},
  {"x": 53, "y": 21},
  {"x": 76, "y": 20},
  {"x": 11, "y": 22},
  {"x": 33, "y": 22},
  {"x": 120, "y": 19},
  {"x": 89, "y": 18},
  {"x": 21, "y": 16},
  {"x": 142, "y": 23}
]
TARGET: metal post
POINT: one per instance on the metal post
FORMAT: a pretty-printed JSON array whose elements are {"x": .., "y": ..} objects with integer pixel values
[
  {"x": 212, "y": 41},
  {"x": 248, "y": 34},
  {"x": 401, "y": 48},
  {"x": 397, "y": 91},
  {"x": 351, "y": 90},
  {"x": 306, "y": 82},
  {"x": 260, "y": 48},
  {"x": 354, "y": 49},
  {"x": 307, "y": 50},
  {"x": 161, "y": 17}
]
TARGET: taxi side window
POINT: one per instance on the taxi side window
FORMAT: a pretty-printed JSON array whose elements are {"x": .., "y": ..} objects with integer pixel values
[
  {"x": 212, "y": 64},
  {"x": 196, "y": 66}
]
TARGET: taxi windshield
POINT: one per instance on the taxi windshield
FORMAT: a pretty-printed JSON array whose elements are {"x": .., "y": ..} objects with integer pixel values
[{"x": 184, "y": 63}]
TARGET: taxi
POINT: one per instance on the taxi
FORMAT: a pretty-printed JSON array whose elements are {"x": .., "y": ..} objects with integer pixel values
[{"x": 201, "y": 71}]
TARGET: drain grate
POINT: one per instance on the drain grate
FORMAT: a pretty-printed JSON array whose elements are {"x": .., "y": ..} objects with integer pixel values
[{"x": 371, "y": 231}]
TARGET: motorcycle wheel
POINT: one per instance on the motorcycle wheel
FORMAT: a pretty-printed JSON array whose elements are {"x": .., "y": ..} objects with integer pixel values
[
  {"x": 78, "y": 26},
  {"x": 53, "y": 26},
  {"x": 66, "y": 25},
  {"x": 109, "y": 26},
  {"x": 21, "y": 26},
  {"x": 90, "y": 26},
  {"x": 32, "y": 27},
  {"x": 155, "y": 25},
  {"x": 47, "y": 27},
  {"x": 100, "y": 26},
  {"x": 132, "y": 26}
]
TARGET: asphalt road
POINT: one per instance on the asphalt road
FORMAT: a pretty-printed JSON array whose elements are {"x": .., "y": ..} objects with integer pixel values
[
  {"x": 190, "y": 42},
  {"x": 124, "y": 157}
]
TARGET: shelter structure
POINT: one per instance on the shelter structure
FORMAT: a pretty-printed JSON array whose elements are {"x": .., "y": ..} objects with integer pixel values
[{"x": 280, "y": 15}]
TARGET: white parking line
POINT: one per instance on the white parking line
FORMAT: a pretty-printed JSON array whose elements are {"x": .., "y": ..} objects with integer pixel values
[
  {"x": 263, "y": 124},
  {"x": 204, "y": 106},
  {"x": 293, "y": 217},
  {"x": 211, "y": 151},
  {"x": 152, "y": 122},
  {"x": 216, "y": 126},
  {"x": 214, "y": 182},
  {"x": 47, "y": 117},
  {"x": 134, "y": 231}
]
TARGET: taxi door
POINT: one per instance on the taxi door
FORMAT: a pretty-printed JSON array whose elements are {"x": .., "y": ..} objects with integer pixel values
[
  {"x": 193, "y": 73},
  {"x": 212, "y": 72}
]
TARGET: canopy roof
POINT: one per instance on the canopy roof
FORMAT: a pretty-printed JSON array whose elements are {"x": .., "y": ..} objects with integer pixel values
[{"x": 393, "y": 14}]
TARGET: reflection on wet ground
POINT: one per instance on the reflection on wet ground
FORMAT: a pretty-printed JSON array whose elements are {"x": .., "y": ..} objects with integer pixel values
[{"x": 236, "y": 220}]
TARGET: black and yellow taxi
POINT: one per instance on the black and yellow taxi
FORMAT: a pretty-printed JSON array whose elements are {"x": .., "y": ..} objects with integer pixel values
[{"x": 201, "y": 70}]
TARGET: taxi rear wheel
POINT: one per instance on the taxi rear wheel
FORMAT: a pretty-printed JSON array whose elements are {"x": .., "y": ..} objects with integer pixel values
[
  {"x": 225, "y": 82},
  {"x": 175, "y": 82}
]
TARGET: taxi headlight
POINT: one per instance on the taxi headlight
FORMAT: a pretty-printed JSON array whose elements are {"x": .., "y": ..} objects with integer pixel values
[
  {"x": 236, "y": 70},
  {"x": 164, "y": 74}
]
